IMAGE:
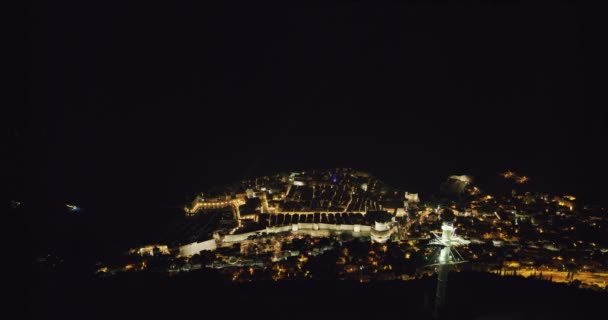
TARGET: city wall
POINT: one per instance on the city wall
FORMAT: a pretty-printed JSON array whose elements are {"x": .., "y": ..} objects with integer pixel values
[
  {"x": 312, "y": 229},
  {"x": 301, "y": 228},
  {"x": 196, "y": 247}
]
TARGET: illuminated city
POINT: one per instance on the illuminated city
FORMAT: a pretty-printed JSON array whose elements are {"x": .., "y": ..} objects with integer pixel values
[
  {"x": 279, "y": 227},
  {"x": 303, "y": 160}
]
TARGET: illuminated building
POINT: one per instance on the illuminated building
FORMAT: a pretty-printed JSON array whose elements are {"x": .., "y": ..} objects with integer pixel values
[
  {"x": 381, "y": 232},
  {"x": 382, "y": 229},
  {"x": 455, "y": 185},
  {"x": 412, "y": 197},
  {"x": 151, "y": 250}
]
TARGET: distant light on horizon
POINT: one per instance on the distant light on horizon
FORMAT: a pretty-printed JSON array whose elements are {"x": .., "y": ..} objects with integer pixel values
[{"x": 73, "y": 208}]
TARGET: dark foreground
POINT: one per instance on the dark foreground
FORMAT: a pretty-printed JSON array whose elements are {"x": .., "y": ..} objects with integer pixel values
[{"x": 203, "y": 295}]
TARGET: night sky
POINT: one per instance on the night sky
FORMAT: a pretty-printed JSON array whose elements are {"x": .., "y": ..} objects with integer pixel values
[{"x": 137, "y": 106}]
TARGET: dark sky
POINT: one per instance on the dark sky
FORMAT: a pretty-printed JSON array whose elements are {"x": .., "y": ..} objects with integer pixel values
[{"x": 153, "y": 101}]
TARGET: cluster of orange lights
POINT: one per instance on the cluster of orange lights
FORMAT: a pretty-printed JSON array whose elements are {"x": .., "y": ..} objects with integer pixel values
[
  {"x": 508, "y": 174},
  {"x": 518, "y": 178}
]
